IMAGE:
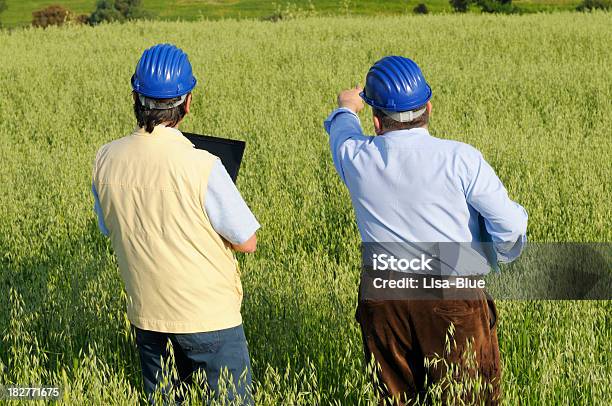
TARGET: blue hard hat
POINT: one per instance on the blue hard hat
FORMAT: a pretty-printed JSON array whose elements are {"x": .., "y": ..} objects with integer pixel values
[
  {"x": 163, "y": 72},
  {"x": 395, "y": 83}
]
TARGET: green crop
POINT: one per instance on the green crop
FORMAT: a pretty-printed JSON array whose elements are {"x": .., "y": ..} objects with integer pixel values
[{"x": 533, "y": 93}]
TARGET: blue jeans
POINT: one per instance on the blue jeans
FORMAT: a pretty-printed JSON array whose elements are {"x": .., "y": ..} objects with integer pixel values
[{"x": 210, "y": 352}]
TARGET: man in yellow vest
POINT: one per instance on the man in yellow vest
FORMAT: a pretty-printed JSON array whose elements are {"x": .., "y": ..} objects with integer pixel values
[{"x": 175, "y": 218}]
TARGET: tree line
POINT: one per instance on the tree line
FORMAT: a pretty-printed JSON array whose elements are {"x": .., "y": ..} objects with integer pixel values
[
  {"x": 104, "y": 11},
  {"x": 125, "y": 10}
]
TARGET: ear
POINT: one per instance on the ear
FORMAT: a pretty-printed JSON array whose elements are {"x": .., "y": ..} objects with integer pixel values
[
  {"x": 188, "y": 104},
  {"x": 429, "y": 107},
  {"x": 377, "y": 125}
]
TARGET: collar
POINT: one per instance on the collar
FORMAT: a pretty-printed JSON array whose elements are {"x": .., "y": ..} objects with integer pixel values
[
  {"x": 412, "y": 133},
  {"x": 161, "y": 131}
]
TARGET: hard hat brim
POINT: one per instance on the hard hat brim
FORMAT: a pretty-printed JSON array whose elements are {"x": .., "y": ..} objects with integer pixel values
[
  {"x": 162, "y": 95},
  {"x": 412, "y": 105}
]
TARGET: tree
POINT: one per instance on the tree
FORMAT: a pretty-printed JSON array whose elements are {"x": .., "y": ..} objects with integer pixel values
[{"x": 116, "y": 10}]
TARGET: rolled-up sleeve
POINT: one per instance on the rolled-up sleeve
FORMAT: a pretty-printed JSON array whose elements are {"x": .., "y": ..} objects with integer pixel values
[
  {"x": 227, "y": 211},
  {"x": 505, "y": 220},
  {"x": 342, "y": 124}
]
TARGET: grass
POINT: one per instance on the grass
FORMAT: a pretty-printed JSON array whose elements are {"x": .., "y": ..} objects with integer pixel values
[
  {"x": 533, "y": 93},
  {"x": 20, "y": 12}
]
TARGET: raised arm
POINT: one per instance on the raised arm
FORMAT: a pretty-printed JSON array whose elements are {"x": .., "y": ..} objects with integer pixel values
[{"x": 343, "y": 123}]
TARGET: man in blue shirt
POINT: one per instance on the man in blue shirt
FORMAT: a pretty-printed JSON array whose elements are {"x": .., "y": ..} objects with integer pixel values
[{"x": 407, "y": 186}]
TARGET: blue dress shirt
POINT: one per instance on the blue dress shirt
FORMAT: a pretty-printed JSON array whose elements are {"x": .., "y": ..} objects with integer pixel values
[
  {"x": 408, "y": 186},
  {"x": 228, "y": 213}
]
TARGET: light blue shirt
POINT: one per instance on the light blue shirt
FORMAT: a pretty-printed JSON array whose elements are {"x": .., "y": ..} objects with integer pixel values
[
  {"x": 228, "y": 213},
  {"x": 408, "y": 186}
]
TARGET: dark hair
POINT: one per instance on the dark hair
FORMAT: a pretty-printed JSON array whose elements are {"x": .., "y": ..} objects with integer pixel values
[
  {"x": 149, "y": 118},
  {"x": 389, "y": 124}
]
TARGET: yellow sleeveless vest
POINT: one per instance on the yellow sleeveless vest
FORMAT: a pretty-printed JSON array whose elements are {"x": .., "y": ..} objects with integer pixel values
[{"x": 180, "y": 275}]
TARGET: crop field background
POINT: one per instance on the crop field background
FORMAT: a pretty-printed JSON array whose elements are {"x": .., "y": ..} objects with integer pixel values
[
  {"x": 19, "y": 12},
  {"x": 533, "y": 93}
]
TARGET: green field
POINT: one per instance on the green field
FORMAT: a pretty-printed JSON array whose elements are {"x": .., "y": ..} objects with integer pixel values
[
  {"x": 20, "y": 12},
  {"x": 533, "y": 93}
]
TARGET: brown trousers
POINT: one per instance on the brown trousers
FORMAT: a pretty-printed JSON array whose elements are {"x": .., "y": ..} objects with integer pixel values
[{"x": 400, "y": 334}]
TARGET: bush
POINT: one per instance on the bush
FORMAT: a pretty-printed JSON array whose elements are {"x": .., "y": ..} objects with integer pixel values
[
  {"x": 589, "y": 5},
  {"x": 81, "y": 19},
  {"x": 497, "y": 6},
  {"x": 460, "y": 6},
  {"x": 487, "y": 6},
  {"x": 420, "y": 9},
  {"x": 116, "y": 10},
  {"x": 52, "y": 15}
]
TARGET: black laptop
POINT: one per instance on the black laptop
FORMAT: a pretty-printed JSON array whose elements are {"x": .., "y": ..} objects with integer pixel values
[{"x": 229, "y": 151}]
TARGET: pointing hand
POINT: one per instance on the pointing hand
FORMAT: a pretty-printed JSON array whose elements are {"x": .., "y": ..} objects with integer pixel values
[{"x": 350, "y": 99}]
